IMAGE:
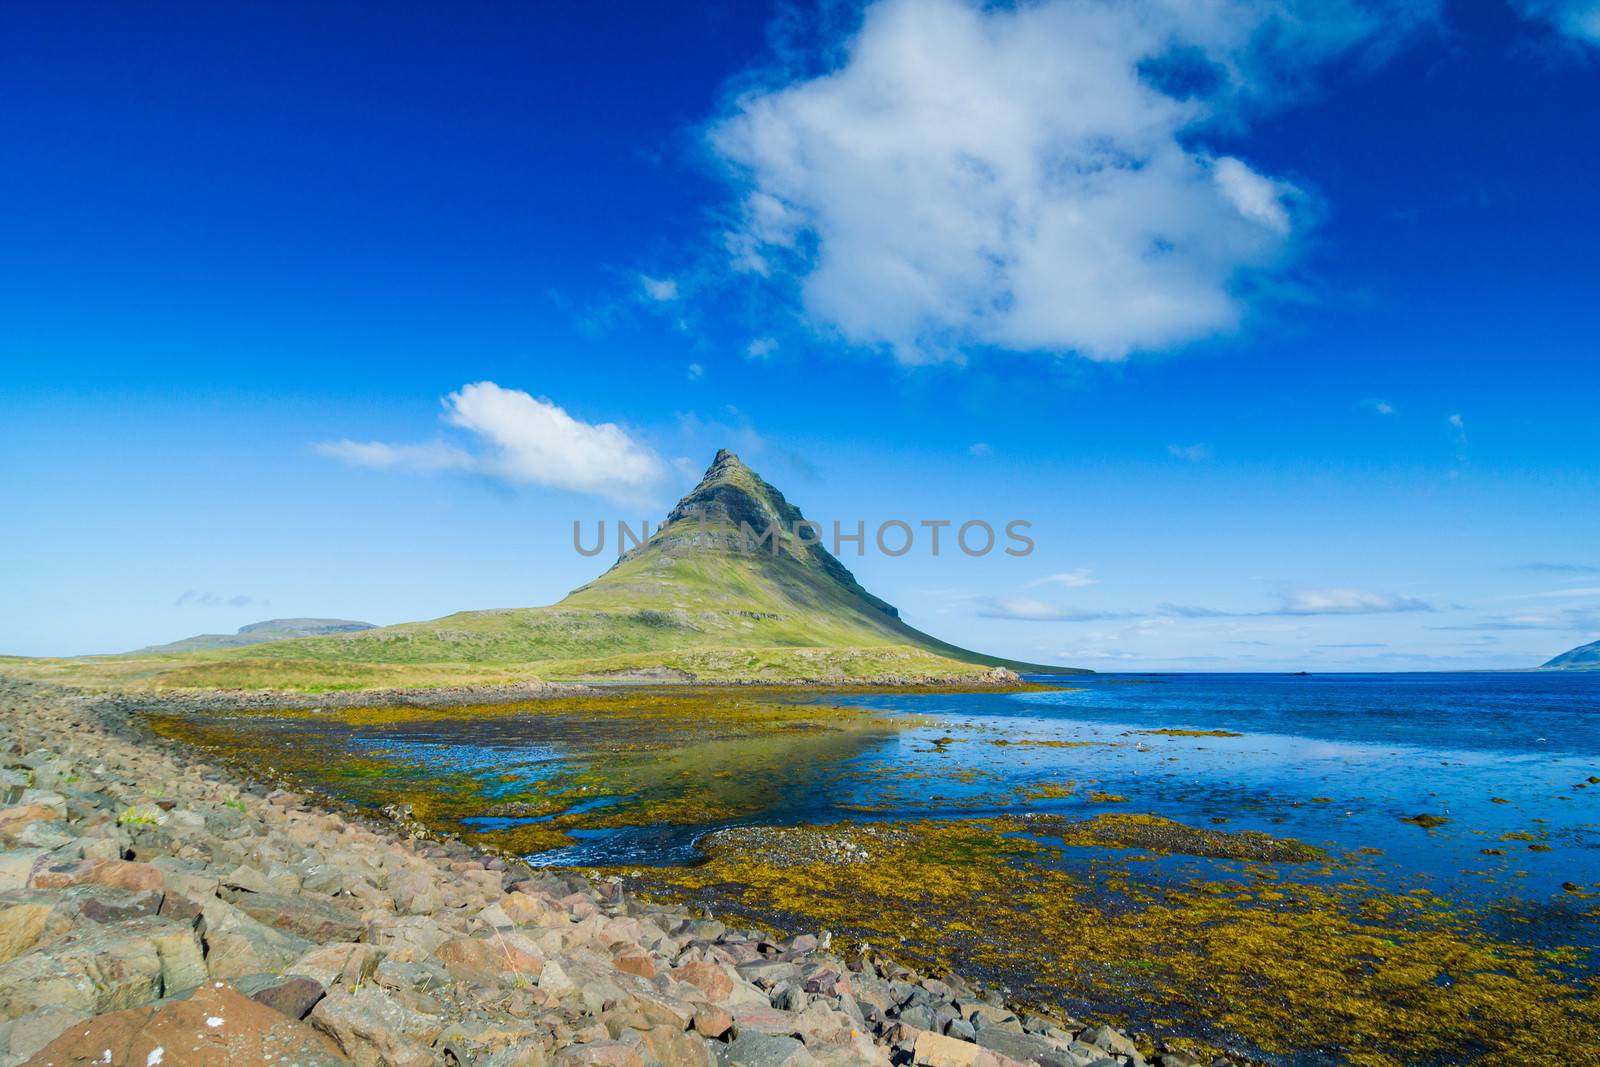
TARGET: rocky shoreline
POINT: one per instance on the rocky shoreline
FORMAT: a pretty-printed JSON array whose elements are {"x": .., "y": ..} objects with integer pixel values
[{"x": 157, "y": 910}]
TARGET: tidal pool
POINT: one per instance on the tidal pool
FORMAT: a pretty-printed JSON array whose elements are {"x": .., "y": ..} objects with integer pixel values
[{"x": 1381, "y": 869}]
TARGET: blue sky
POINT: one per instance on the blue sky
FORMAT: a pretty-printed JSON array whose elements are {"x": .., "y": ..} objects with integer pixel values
[{"x": 1277, "y": 320}]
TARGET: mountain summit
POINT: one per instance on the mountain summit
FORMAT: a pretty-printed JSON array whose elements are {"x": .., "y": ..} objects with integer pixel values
[{"x": 735, "y": 585}]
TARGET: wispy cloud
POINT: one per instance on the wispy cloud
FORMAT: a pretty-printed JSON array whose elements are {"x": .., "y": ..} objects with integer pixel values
[
  {"x": 521, "y": 440},
  {"x": 1027, "y": 609},
  {"x": 1193, "y": 453},
  {"x": 1376, "y": 406},
  {"x": 1073, "y": 579},
  {"x": 196, "y": 598},
  {"x": 1307, "y": 602},
  {"x": 761, "y": 347},
  {"x": 980, "y": 450},
  {"x": 696, "y": 372},
  {"x": 1577, "y": 19},
  {"x": 661, "y": 290},
  {"x": 1582, "y": 591},
  {"x": 1556, "y": 568}
]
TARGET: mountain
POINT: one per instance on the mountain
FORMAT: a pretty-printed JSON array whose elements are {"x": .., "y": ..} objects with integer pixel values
[
  {"x": 688, "y": 604},
  {"x": 258, "y": 633},
  {"x": 1582, "y": 658}
]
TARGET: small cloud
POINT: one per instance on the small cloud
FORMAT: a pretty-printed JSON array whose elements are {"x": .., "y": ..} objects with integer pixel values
[
  {"x": 522, "y": 440},
  {"x": 661, "y": 290},
  {"x": 1556, "y": 568},
  {"x": 1347, "y": 602},
  {"x": 696, "y": 372},
  {"x": 1197, "y": 453},
  {"x": 1588, "y": 590},
  {"x": 1026, "y": 609},
  {"x": 1073, "y": 579},
  {"x": 1377, "y": 407},
  {"x": 981, "y": 450},
  {"x": 195, "y": 598},
  {"x": 1459, "y": 425},
  {"x": 761, "y": 348},
  {"x": 1312, "y": 602}
]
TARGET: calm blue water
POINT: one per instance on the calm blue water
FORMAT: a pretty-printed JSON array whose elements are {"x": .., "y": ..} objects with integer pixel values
[{"x": 1334, "y": 760}]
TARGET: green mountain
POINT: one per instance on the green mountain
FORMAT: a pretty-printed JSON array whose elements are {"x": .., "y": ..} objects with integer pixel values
[
  {"x": 693, "y": 602},
  {"x": 258, "y": 633},
  {"x": 1582, "y": 658}
]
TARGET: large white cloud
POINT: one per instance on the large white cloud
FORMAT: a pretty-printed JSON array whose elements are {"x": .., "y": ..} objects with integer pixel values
[
  {"x": 1032, "y": 177},
  {"x": 523, "y": 440}
]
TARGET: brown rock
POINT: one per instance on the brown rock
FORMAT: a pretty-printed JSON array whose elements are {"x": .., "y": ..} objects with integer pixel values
[
  {"x": 710, "y": 978},
  {"x": 21, "y": 926},
  {"x": 600, "y": 1054},
  {"x": 303, "y": 914},
  {"x": 936, "y": 1050},
  {"x": 636, "y": 962},
  {"x": 12, "y": 820},
  {"x": 373, "y": 1030},
  {"x": 711, "y": 1020},
  {"x": 218, "y": 1025},
  {"x": 117, "y": 874}
]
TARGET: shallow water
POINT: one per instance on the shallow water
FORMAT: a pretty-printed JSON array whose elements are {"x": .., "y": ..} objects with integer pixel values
[{"x": 1502, "y": 881}]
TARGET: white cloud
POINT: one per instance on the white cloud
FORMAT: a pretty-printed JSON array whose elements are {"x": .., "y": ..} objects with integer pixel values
[
  {"x": 661, "y": 290},
  {"x": 429, "y": 456},
  {"x": 522, "y": 440},
  {"x": 696, "y": 371},
  {"x": 1256, "y": 197},
  {"x": 1032, "y": 177},
  {"x": 1027, "y": 609},
  {"x": 1592, "y": 590},
  {"x": 1073, "y": 579},
  {"x": 980, "y": 450},
  {"x": 1347, "y": 602},
  {"x": 761, "y": 347},
  {"x": 1578, "y": 19},
  {"x": 1378, "y": 407},
  {"x": 1193, "y": 453}
]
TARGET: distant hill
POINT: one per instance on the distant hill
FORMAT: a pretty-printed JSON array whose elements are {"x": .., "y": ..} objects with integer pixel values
[
  {"x": 259, "y": 633},
  {"x": 687, "y": 605},
  {"x": 1582, "y": 658}
]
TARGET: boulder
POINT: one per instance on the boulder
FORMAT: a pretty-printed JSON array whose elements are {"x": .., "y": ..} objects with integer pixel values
[
  {"x": 218, "y": 1025},
  {"x": 373, "y": 1030},
  {"x": 304, "y": 915}
]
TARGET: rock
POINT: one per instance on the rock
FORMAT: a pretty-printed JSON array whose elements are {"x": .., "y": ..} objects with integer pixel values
[
  {"x": 763, "y": 1050},
  {"x": 674, "y": 1047},
  {"x": 21, "y": 926},
  {"x": 292, "y": 994},
  {"x": 21, "y": 1038},
  {"x": 937, "y": 1050},
  {"x": 218, "y": 1025},
  {"x": 1028, "y": 1048},
  {"x": 1113, "y": 1041},
  {"x": 607, "y": 1053},
  {"x": 312, "y": 917},
  {"x": 97, "y": 969},
  {"x": 16, "y": 866},
  {"x": 709, "y": 978},
  {"x": 711, "y": 1020},
  {"x": 239, "y": 945},
  {"x": 764, "y": 1020},
  {"x": 374, "y": 1031},
  {"x": 117, "y": 874},
  {"x": 487, "y": 959},
  {"x": 344, "y": 964}
]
